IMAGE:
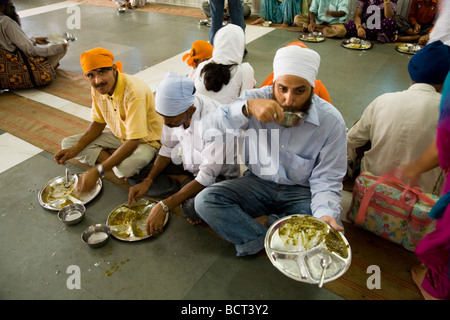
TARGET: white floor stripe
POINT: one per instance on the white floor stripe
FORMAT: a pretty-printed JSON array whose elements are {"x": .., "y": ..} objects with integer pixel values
[
  {"x": 14, "y": 151},
  {"x": 44, "y": 9}
]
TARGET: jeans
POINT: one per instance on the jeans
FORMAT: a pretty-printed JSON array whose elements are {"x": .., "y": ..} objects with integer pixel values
[
  {"x": 236, "y": 11},
  {"x": 229, "y": 207}
]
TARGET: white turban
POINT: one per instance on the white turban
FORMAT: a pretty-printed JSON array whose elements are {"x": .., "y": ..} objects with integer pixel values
[
  {"x": 296, "y": 61},
  {"x": 174, "y": 95}
]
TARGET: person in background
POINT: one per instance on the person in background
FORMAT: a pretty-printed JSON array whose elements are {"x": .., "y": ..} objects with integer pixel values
[
  {"x": 326, "y": 16},
  {"x": 394, "y": 139},
  {"x": 291, "y": 170},
  {"x": 17, "y": 51},
  {"x": 432, "y": 277},
  {"x": 422, "y": 14},
  {"x": 235, "y": 9},
  {"x": 126, "y": 105},
  {"x": 200, "y": 51},
  {"x": 279, "y": 12},
  {"x": 185, "y": 164},
  {"x": 224, "y": 77},
  {"x": 206, "y": 8},
  {"x": 374, "y": 20}
]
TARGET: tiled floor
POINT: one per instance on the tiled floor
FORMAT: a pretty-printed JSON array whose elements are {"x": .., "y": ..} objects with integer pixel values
[{"x": 185, "y": 262}]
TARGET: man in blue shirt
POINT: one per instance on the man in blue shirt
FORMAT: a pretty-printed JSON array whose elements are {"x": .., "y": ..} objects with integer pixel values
[
  {"x": 326, "y": 16},
  {"x": 291, "y": 170}
]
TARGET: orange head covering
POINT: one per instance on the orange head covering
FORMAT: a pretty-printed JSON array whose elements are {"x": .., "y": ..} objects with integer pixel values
[
  {"x": 98, "y": 58},
  {"x": 200, "y": 50}
]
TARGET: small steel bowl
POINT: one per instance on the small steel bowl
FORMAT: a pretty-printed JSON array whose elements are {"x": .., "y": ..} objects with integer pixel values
[
  {"x": 97, "y": 235},
  {"x": 121, "y": 10},
  {"x": 72, "y": 214},
  {"x": 292, "y": 119}
]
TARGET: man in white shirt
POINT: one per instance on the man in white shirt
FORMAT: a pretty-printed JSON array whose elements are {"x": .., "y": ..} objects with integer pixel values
[
  {"x": 401, "y": 125},
  {"x": 182, "y": 143}
]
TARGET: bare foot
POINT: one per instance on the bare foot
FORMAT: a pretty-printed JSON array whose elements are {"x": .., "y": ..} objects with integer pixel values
[
  {"x": 258, "y": 21},
  {"x": 418, "y": 274},
  {"x": 284, "y": 25},
  {"x": 194, "y": 222}
]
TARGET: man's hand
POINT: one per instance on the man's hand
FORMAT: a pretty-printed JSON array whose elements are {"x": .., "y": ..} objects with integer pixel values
[
  {"x": 64, "y": 155},
  {"x": 265, "y": 110},
  {"x": 137, "y": 191},
  {"x": 87, "y": 181},
  {"x": 155, "y": 220},
  {"x": 41, "y": 40},
  {"x": 332, "y": 222}
]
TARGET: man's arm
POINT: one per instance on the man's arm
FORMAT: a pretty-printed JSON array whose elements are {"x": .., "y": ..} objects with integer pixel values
[{"x": 93, "y": 131}]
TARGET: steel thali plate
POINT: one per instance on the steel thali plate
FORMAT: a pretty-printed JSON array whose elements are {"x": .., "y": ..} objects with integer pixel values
[
  {"x": 311, "y": 37},
  {"x": 127, "y": 223},
  {"x": 356, "y": 44},
  {"x": 54, "y": 195},
  {"x": 296, "y": 244}
]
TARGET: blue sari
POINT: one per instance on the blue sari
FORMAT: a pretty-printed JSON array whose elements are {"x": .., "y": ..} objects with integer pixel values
[{"x": 280, "y": 12}]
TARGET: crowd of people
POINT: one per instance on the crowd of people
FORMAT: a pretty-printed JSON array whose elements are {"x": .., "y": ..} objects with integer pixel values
[{"x": 185, "y": 145}]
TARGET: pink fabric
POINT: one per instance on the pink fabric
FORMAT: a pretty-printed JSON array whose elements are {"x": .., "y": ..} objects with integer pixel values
[{"x": 434, "y": 249}]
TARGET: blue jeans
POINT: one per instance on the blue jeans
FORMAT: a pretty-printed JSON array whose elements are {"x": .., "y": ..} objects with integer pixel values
[
  {"x": 229, "y": 207},
  {"x": 235, "y": 9}
]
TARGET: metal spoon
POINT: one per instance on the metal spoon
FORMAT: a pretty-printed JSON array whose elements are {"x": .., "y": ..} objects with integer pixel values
[
  {"x": 67, "y": 182},
  {"x": 325, "y": 262}
]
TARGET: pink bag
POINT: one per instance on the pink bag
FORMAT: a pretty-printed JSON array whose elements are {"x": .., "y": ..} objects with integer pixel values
[{"x": 391, "y": 209}]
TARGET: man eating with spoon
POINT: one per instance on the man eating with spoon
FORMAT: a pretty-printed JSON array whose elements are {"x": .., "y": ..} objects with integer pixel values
[{"x": 298, "y": 169}]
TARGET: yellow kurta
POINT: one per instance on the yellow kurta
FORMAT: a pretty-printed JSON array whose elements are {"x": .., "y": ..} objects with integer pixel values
[{"x": 130, "y": 112}]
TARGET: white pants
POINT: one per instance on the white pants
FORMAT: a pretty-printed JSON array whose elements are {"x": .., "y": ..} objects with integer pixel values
[{"x": 142, "y": 156}]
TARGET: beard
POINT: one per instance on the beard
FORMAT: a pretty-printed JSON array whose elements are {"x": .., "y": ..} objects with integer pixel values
[
  {"x": 303, "y": 108},
  {"x": 10, "y": 11}
]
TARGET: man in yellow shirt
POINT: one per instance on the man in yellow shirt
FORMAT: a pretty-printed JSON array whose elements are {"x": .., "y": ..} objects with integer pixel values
[{"x": 126, "y": 105}]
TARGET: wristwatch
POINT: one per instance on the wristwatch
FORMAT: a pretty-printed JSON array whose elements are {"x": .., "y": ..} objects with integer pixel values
[
  {"x": 101, "y": 171},
  {"x": 165, "y": 208}
]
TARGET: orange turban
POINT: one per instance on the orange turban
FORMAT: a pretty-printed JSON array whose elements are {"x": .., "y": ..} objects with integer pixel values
[
  {"x": 98, "y": 58},
  {"x": 200, "y": 50}
]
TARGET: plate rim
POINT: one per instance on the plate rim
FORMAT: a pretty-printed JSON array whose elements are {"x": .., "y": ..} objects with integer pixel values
[
  {"x": 147, "y": 199},
  {"x": 347, "y": 260},
  {"x": 47, "y": 206}
]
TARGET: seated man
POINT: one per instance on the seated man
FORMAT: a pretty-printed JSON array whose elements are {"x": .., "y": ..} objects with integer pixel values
[
  {"x": 183, "y": 112},
  {"x": 291, "y": 170},
  {"x": 18, "y": 52},
  {"x": 319, "y": 87},
  {"x": 420, "y": 20},
  {"x": 125, "y": 104},
  {"x": 200, "y": 51},
  {"x": 401, "y": 125},
  {"x": 326, "y": 16},
  {"x": 280, "y": 12}
]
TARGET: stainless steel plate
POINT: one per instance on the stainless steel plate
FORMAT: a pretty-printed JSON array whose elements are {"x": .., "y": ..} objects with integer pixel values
[
  {"x": 312, "y": 37},
  {"x": 296, "y": 244},
  {"x": 54, "y": 196},
  {"x": 356, "y": 44},
  {"x": 408, "y": 48},
  {"x": 128, "y": 223}
]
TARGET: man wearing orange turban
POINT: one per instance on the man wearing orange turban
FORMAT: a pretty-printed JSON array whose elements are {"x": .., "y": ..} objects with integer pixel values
[
  {"x": 126, "y": 105},
  {"x": 201, "y": 51}
]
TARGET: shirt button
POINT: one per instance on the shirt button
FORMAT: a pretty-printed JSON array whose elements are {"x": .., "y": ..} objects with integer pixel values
[{"x": 282, "y": 146}]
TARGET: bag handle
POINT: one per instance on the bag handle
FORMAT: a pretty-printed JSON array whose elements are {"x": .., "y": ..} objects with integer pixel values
[{"x": 387, "y": 177}]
